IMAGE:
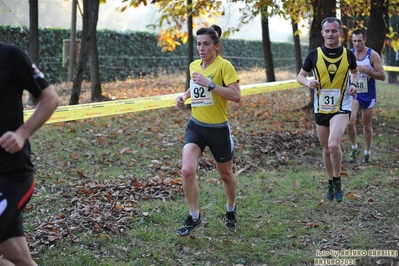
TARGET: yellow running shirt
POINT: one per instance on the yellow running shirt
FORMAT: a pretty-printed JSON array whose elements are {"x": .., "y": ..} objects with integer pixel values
[{"x": 222, "y": 73}]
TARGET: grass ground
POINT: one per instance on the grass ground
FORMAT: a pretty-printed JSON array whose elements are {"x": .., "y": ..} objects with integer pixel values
[{"x": 108, "y": 189}]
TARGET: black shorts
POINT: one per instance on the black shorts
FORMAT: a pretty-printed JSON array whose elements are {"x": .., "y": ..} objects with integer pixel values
[
  {"x": 14, "y": 195},
  {"x": 216, "y": 137},
  {"x": 324, "y": 119}
]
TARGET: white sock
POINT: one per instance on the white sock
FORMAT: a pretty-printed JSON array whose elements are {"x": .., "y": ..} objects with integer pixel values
[
  {"x": 355, "y": 146},
  {"x": 230, "y": 208},
  {"x": 194, "y": 214},
  {"x": 367, "y": 152}
]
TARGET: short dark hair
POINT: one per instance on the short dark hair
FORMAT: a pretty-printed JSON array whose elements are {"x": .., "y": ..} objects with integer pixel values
[
  {"x": 358, "y": 32},
  {"x": 331, "y": 20}
]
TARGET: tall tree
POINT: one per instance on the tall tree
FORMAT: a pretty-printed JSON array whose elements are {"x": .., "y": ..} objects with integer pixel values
[
  {"x": 354, "y": 15},
  {"x": 295, "y": 11},
  {"x": 34, "y": 39},
  {"x": 72, "y": 42},
  {"x": 347, "y": 21},
  {"x": 266, "y": 9},
  {"x": 297, "y": 47},
  {"x": 174, "y": 16},
  {"x": 378, "y": 24},
  {"x": 321, "y": 10},
  {"x": 190, "y": 40},
  {"x": 267, "y": 50},
  {"x": 89, "y": 28},
  {"x": 391, "y": 48},
  {"x": 95, "y": 77}
]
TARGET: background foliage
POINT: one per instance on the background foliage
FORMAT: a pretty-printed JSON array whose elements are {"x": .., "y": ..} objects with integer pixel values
[{"x": 133, "y": 54}]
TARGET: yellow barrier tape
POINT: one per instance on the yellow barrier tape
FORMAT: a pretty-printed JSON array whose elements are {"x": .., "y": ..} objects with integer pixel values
[
  {"x": 90, "y": 110},
  {"x": 268, "y": 87},
  {"x": 391, "y": 68},
  {"x": 83, "y": 111}
]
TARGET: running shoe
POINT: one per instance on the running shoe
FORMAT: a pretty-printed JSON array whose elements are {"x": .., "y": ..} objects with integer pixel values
[
  {"x": 367, "y": 159},
  {"x": 330, "y": 192},
  {"x": 354, "y": 154},
  {"x": 231, "y": 219},
  {"x": 338, "y": 192},
  {"x": 189, "y": 225}
]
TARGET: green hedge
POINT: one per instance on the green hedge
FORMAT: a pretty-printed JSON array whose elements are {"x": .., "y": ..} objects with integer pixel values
[{"x": 128, "y": 53}]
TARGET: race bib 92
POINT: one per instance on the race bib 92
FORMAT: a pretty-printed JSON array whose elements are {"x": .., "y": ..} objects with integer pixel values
[{"x": 200, "y": 96}]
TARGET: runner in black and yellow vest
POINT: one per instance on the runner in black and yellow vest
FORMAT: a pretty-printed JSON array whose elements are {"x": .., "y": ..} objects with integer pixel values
[{"x": 331, "y": 65}]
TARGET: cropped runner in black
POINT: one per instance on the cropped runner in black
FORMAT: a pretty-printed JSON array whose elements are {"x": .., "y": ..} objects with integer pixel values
[{"x": 18, "y": 73}]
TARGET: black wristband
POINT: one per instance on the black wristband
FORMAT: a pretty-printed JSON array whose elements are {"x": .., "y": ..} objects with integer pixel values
[{"x": 354, "y": 84}]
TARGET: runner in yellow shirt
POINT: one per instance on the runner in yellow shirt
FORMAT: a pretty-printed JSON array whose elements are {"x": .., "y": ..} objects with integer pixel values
[{"x": 214, "y": 82}]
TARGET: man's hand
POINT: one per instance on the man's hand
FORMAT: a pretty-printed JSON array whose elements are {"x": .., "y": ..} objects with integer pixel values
[
  {"x": 313, "y": 84},
  {"x": 12, "y": 142},
  {"x": 352, "y": 90}
]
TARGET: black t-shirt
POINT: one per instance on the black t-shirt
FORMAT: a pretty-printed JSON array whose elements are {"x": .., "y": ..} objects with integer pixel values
[
  {"x": 311, "y": 58},
  {"x": 17, "y": 73}
]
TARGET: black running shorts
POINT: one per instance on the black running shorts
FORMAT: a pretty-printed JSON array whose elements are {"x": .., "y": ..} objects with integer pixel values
[
  {"x": 14, "y": 195},
  {"x": 324, "y": 119},
  {"x": 216, "y": 137}
]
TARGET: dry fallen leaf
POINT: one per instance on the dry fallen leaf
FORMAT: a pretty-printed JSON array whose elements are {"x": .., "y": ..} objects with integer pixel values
[
  {"x": 365, "y": 166},
  {"x": 213, "y": 180},
  {"x": 118, "y": 207},
  {"x": 350, "y": 195},
  {"x": 84, "y": 190},
  {"x": 107, "y": 237},
  {"x": 314, "y": 225}
]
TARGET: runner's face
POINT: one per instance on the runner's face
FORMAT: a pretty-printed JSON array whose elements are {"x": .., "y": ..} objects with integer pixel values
[
  {"x": 331, "y": 34},
  {"x": 206, "y": 48},
  {"x": 358, "y": 42}
]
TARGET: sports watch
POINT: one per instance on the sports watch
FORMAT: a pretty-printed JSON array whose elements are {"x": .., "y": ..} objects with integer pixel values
[{"x": 211, "y": 86}]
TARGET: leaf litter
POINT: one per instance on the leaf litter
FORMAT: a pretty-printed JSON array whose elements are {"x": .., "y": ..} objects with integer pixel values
[{"x": 107, "y": 208}]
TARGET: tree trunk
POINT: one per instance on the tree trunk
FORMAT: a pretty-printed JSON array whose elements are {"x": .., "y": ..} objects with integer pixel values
[
  {"x": 89, "y": 27},
  {"x": 72, "y": 42},
  {"x": 347, "y": 20},
  {"x": 95, "y": 78},
  {"x": 33, "y": 40},
  {"x": 321, "y": 10},
  {"x": 190, "y": 42},
  {"x": 390, "y": 54},
  {"x": 267, "y": 51},
  {"x": 377, "y": 25},
  {"x": 390, "y": 58},
  {"x": 297, "y": 47}
]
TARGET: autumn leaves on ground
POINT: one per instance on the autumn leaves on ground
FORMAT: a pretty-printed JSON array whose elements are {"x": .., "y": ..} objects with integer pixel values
[{"x": 109, "y": 189}]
